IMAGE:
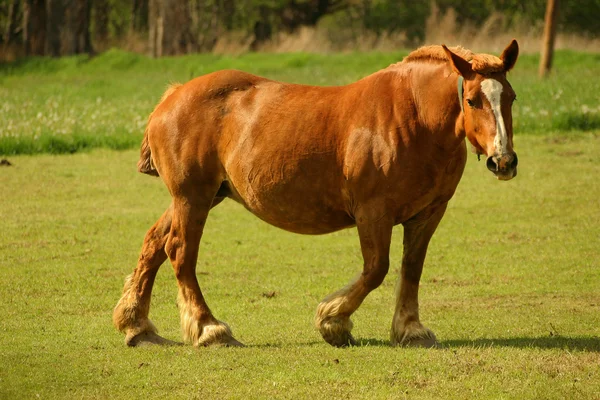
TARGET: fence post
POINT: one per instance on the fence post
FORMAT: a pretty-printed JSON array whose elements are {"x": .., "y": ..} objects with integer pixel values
[{"x": 549, "y": 36}]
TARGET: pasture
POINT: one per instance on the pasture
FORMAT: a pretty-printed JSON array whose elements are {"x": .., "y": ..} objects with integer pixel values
[{"x": 510, "y": 285}]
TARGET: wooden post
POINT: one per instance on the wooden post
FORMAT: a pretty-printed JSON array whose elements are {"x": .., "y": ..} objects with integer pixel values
[{"x": 549, "y": 36}]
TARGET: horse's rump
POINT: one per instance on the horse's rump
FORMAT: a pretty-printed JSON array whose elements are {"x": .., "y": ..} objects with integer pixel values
[{"x": 145, "y": 164}]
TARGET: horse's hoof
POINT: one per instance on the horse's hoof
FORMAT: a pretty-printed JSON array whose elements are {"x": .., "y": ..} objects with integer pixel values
[
  {"x": 149, "y": 338},
  {"x": 336, "y": 331},
  {"x": 341, "y": 340},
  {"x": 218, "y": 335},
  {"x": 419, "y": 338},
  {"x": 345, "y": 341}
]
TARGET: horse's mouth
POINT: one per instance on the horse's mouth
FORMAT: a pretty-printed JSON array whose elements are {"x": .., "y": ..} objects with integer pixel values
[{"x": 505, "y": 175}]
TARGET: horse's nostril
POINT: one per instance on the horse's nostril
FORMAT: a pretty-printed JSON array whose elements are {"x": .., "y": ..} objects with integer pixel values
[
  {"x": 514, "y": 162},
  {"x": 491, "y": 164}
]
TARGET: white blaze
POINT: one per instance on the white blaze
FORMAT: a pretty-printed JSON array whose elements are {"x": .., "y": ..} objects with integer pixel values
[{"x": 492, "y": 89}]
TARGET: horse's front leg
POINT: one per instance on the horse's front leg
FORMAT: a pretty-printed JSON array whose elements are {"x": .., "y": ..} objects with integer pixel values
[
  {"x": 333, "y": 313},
  {"x": 407, "y": 330}
]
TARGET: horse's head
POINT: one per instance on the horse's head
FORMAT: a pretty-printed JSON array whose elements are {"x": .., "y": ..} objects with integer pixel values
[{"x": 486, "y": 99}]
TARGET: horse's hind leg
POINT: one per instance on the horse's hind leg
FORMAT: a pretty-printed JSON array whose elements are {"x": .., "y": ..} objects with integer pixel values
[
  {"x": 190, "y": 211},
  {"x": 131, "y": 313},
  {"x": 407, "y": 329},
  {"x": 333, "y": 313}
]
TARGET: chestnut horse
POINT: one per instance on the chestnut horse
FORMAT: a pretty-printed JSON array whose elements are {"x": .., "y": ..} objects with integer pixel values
[{"x": 386, "y": 150}]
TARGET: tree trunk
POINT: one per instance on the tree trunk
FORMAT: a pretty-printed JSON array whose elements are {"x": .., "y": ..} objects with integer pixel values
[
  {"x": 549, "y": 37},
  {"x": 139, "y": 15},
  {"x": 11, "y": 23},
  {"x": 34, "y": 27},
  {"x": 77, "y": 27},
  {"x": 263, "y": 30},
  {"x": 101, "y": 18},
  {"x": 154, "y": 21},
  {"x": 169, "y": 28},
  {"x": 54, "y": 15}
]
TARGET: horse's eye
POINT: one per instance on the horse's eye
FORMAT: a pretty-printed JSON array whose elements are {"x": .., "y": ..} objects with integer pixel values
[{"x": 471, "y": 103}]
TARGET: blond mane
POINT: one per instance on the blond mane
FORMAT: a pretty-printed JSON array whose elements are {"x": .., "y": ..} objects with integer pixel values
[{"x": 481, "y": 63}]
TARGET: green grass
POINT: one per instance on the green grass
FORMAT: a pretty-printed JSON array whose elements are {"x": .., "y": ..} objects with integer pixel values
[
  {"x": 510, "y": 287},
  {"x": 73, "y": 104}
]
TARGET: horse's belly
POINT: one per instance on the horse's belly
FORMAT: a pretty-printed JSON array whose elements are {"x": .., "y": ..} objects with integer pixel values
[
  {"x": 303, "y": 220},
  {"x": 294, "y": 206}
]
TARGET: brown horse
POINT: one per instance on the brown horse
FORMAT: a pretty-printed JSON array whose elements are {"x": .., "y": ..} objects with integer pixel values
[{"x": 386, "y": 150}]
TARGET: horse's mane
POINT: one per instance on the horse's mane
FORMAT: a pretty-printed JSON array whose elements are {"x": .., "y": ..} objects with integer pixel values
[{"x": 481, "y": 63}]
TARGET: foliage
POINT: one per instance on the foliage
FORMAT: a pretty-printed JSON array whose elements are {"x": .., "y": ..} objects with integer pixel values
[
  {"x": 406, "y": 16},
  {"x": 574, "y": 15},
  {"x": 261, "y": 20},
  {"x": 78, "y": 103},
  {"x": 510, "y": 287}
]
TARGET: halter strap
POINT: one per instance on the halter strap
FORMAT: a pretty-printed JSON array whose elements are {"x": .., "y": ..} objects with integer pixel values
[
  {"x": 460, "y": 92},
  {"x": 460, "y": 100}
]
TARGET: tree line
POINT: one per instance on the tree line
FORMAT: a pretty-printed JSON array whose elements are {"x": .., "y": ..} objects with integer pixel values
[{"x": 64, "y": 27}]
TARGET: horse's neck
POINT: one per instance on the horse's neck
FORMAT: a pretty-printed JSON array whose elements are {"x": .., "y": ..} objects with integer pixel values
[{"x": 435, "y": 94}]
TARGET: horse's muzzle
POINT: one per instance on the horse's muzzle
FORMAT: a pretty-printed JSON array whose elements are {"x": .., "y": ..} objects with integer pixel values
[{"x": 504, "y": 167}]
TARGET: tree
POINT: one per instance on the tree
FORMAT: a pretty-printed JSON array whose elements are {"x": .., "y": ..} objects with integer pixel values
[
  {"x": 169, "y": 25},
  {"x": 34, "y": 27},
  {"x": 77, "y": 28},
  {"x": 294, "y": 14},
  {"x": 101, "y": 14},
  {"x": 11, "y": 23},
  {"x": 54, "y": 20},
  {"x": 139, "y": 15},
  {"x": 291, "y": 15}
]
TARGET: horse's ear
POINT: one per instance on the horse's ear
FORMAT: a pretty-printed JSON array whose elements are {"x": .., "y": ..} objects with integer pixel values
[
  {"x": 509, "y": 55},
  {"x": 459, "y": 64}
]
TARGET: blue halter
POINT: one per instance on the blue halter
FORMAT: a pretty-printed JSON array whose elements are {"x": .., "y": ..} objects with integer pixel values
[
  {"x": 460, "y": 100},
  {"x": 460, "y": 92}
]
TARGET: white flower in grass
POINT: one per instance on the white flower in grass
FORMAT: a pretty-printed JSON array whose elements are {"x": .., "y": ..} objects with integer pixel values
[
  {"x": 589, "y": 110},
  {"x": 557, "y": 95}
]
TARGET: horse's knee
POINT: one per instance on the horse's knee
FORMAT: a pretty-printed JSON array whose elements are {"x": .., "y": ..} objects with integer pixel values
[
  {"x": 375, "y": 273},
  {"x": 173, "y": 245}
]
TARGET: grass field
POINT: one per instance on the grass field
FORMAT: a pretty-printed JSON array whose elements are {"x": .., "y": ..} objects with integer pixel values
[{"x": 513, "y": 296}]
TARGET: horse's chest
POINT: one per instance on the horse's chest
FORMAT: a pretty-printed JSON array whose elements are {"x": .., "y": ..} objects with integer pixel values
[{"x": 428, "y": 185}]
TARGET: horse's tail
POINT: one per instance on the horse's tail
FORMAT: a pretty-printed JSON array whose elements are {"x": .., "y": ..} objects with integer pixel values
[{"x": 145, "y": 164}]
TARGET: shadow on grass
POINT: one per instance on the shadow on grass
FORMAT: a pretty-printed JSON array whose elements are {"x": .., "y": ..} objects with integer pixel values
[
  {"x": 372, "y": 342},
  {"x": 313, "y": 343},
  {"x": 581, "y": 343}
]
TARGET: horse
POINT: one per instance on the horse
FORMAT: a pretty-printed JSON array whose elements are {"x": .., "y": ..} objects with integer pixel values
[{"x": 388, "y": 149}]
